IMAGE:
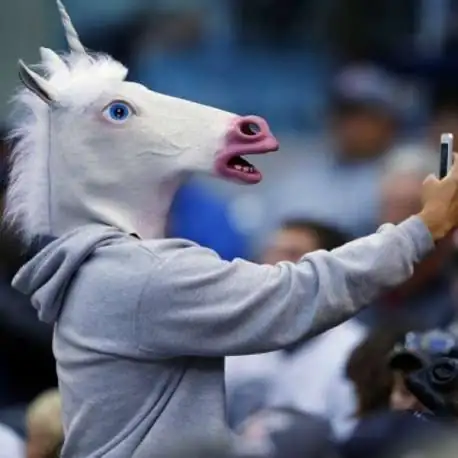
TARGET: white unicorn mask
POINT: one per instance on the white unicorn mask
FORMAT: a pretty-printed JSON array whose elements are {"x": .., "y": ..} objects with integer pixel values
[{"x": 96, "y": 148}]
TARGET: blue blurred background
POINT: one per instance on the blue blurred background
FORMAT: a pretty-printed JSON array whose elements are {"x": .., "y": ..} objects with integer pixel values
[{"x": 358, "y": 93}]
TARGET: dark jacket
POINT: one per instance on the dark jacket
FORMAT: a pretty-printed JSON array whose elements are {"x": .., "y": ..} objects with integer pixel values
[
  {"x": 392, "y": 434},
  {"x": 27, "y": 365}
]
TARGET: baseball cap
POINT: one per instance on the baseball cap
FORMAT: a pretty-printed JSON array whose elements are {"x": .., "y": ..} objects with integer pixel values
[
  {"x": 367, "y": 85},
  {"x": 419, "y": 349},
  {"x": 408, "y": 360}
]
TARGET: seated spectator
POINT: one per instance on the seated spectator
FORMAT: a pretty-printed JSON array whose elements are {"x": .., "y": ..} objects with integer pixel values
[
  {"x": 298, "y": 236},
  {"x": 369, "y": 372},
  {"x": 418, "y": 351},
  {"x": 45, "y": 434},
  {"x": 379, "y": 365},
  {"x": 343, "y": 172},
  {"x": 401, "y": 363},
  {"x": 283, "y": 378},
  {"x": 373, "y": 380},
  {"x": 398, "y": 424}
]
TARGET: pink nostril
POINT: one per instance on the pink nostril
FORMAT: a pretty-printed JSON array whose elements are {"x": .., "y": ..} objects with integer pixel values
[{"x": 251, "y": 128}]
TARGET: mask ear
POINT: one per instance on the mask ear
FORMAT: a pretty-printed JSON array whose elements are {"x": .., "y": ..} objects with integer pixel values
[
  {"x": 52, "y": 61},
  {"x": 38, "y": 85}
]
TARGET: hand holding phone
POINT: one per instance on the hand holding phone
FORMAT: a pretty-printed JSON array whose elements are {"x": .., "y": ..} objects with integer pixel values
[{"x": 446, "y": 159}]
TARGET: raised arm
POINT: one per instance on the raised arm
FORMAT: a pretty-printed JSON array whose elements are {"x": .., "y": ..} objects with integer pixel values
[
  {"x": 199, "y": 305},
  {"x": 202, "y": 306}
]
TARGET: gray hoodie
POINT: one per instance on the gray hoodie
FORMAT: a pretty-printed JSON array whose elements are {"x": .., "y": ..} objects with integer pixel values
[{"x": 142, "y": 327}]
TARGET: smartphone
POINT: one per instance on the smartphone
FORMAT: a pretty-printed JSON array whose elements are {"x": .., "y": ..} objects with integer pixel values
[{"x": 446, "y": 159}]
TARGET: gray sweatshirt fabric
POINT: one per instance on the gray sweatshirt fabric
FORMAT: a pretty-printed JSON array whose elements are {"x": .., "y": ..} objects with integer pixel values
[{"x": 142, "y": 327}]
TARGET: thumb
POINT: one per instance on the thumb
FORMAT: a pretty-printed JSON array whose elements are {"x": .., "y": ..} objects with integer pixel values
[
  {"x": 454, "y": 170},
  {"x": 430, "y": 180}
]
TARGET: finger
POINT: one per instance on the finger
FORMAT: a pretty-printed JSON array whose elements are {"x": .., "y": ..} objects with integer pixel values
[
  {"x": 430, "y": 181},
  {"x": 453, "y": 173}
]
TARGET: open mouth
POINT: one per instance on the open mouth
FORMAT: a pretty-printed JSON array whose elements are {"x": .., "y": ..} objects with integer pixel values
[
  {"x": 233, "y": 165},
  {"x": 243, "y": 169}
]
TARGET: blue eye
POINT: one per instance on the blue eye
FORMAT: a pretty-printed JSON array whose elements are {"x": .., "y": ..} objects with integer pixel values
[{"x": 118, "y": 112}]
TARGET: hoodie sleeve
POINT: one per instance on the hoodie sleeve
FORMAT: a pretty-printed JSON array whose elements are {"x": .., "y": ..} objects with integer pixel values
[{"x": 200, "y": 305}]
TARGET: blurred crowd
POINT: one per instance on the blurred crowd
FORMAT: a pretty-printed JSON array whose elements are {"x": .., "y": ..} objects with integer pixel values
[{"x": 359, "y": 93}]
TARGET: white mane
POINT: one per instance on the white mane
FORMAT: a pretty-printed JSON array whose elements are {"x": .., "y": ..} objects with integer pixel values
[{"x": 75, "y": 77}]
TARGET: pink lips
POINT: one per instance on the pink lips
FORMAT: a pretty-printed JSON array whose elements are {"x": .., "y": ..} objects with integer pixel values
[{"x": 248, "y": 136}]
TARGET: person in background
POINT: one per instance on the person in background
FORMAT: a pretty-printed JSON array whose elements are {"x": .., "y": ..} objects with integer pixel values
[
  {"x": 45, "y": 433},
  {"x": 417, "y": 351},
  {"x": 281, "y": 379},
  {"x": 344, "y": 172},
  {"x": 444, "y": 114},
  {"x": 401, "y": 399},
  {"x": 443, "y": 118},
  {"x": 299, "y": 236},
  {"x": 425, "y": 299},
  {"x": 368, "y": 370},
  {"x": 392, "y": 421}
]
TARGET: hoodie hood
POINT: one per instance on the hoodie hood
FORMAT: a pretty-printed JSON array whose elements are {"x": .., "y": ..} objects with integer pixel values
[{"x": 47, "y": 276}]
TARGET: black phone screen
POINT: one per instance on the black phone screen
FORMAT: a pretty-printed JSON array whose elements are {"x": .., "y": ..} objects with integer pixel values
[{"x": 443, "y": 160}]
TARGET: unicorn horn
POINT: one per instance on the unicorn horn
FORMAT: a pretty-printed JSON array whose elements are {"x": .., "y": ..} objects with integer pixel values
[{"x": 73, "y": 40}]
